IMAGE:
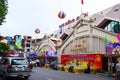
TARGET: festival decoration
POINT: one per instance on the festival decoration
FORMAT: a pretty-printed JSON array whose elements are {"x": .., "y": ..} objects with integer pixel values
[
  {"x": 37, "y": 31},
  {"x": 118, "y": 37},
  {"x": 109, "y": 48},
  {"x": 113, "y": 41},
  {"x": 50, "y": 53},
  {"x": 42, "y": 54},
  {"x": 83, "y": 41},
  {"x": 32, "y": 55},
  {"x": 115, "y": 45},
  {"x": 61, "y": 15},
  {"x": 82, "y": 2},
  {"x": 42, "y": 50},
  {"x": 18, "y": 42},
  {"x": 94, "y": 59},
  {"x": 25, "y": 37},
  {"x": 115, "y": 51},
  {"x": 105, "y": 40}
]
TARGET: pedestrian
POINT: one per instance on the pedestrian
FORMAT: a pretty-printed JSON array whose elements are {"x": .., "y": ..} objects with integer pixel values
[
  {"x": 88, "y": 67},
  {"x": 54, "y": 64},
  {"x": 31, "y": 64},
  {"x": 37, "y": 62},
  {"x": 40, "y": 64},
  {"x": 51, "y": 65},
  {"x": 71, "y": 67},
  {"x": 118, "y": 70},
  {"x": 46, "y": 61},
  {"x": 113, "y": 67},
  {"x": 77, "y": 63}
]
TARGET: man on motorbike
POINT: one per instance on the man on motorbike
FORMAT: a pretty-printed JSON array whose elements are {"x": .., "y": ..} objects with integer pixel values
[{"x": 55, "y": 65}]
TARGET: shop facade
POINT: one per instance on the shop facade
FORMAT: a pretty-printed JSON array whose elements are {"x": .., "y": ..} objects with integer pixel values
[
  {"x": 89, "y": 35},
  {"x": 48, "y": 49}
]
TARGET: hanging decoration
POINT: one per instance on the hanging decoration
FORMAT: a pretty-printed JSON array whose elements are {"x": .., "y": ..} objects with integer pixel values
[
  {"x": 118, "y": 37},
  {"x": 105, "y": 40},
  {"x": 113, "y": 41},
  {"x": 115, "y": 45},
  {"x": 82, "y": 2},
  {"x": 18, "y": 42},
  {"x": 61, "y": 15},
  {"x": 25, "y": 37},
  {"x": 37, "y": 31},
  {"x": 42, "y": 50},
  {"x": 83, "y": 41}
]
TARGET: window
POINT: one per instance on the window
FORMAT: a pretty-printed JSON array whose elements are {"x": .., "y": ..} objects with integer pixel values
[
  {"x": 113, "y": 26},
  {"x": 19, "y": 62},
  {"x": 4, "y": 61},
  {"x": 27, "y": 45}
]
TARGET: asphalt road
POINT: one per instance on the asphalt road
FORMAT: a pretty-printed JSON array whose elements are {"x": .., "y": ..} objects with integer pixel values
[{"x": 49, "y": 74}]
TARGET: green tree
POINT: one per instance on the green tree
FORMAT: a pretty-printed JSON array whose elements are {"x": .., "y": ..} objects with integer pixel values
[
  {"x": 3, "y": 48},
  {"x": 3, "y": 10}
]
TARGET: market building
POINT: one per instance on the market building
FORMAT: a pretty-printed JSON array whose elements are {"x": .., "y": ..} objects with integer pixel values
[{"x": 94, "y": 37}]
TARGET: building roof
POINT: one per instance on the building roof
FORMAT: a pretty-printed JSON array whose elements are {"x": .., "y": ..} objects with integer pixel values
[{"x": 111, "y": 13}]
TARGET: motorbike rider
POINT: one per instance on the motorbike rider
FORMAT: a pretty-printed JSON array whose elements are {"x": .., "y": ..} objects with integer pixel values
[{"x": 54, "y": 64}]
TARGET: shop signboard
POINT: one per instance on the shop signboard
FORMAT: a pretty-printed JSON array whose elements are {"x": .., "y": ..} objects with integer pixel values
[{"x": 81, "y": 60}]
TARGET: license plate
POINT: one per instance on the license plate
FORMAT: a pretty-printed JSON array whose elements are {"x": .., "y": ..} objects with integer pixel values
[{"x": 19, "y": 69}]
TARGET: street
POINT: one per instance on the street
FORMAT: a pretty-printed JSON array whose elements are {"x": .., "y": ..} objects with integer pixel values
[{"x": 49, "y": 74}]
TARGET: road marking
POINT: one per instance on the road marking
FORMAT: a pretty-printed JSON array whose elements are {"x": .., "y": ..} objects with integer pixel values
[{"x": 49, "y": 79}]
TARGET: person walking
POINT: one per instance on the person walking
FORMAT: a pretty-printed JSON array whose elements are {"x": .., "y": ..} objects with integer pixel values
[
  {"x": 54, "y": 65},
  {"x": 88, "y": 67},
  {"x": 37, "y": 62},
  {"x": 71, "y": 67},
  {"x": 118, "y": 70}
]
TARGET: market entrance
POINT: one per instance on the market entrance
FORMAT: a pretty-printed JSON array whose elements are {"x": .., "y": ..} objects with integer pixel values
[
  {"x": 104, "y": 64},
  {"x": 48, "y": 58},
  {"x": 109, "y": 63}
]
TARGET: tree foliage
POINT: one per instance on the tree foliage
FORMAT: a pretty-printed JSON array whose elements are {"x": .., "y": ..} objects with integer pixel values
[
  {"x": 3, "y": 10},
  {"x": 3, "y": 46}
]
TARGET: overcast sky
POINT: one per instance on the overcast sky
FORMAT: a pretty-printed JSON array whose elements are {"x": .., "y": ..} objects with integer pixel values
[{"x": 24, "y": 16}]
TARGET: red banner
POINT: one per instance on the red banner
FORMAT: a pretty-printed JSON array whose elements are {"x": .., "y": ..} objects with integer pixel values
[{"x": 82, "y": 60}]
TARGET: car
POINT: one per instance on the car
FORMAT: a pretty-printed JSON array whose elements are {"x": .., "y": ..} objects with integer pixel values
[{"x": 14, "y": 67}]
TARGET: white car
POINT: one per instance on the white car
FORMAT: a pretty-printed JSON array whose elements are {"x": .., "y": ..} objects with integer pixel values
[{"x": 14, "y": 67}]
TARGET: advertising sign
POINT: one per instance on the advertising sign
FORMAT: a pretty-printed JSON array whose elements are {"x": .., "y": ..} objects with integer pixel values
[{"x": 82, "y": 60}]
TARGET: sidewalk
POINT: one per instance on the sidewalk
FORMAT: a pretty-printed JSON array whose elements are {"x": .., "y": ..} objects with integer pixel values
[{"x": 108, "y": 75}]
